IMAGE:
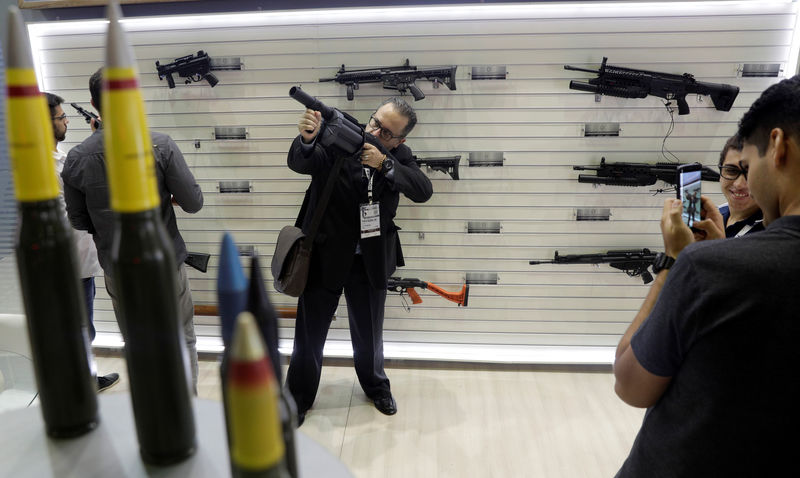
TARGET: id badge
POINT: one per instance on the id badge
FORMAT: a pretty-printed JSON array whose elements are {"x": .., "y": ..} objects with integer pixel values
[{"x": 370, "y": 220}]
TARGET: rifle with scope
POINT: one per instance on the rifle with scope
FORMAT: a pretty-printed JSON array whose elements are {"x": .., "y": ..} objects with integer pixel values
[
  {"x": 637, "y": 174},
  {"x": 88, "y": 115},
  {"x": 631, "y": 83},
  {"x": 401, "y": 78},
  {"x": 191, "y": 67},
  {"x": 445, "y": 164},
  {"x": 633, "y": 262}
]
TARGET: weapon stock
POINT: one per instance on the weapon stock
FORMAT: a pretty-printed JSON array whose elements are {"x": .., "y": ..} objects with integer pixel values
[
  {"x": 197, "y": 260},
  {"x": 636, "y": 174},
  {"x": 193, "y": 68},
  {"x": 632, "y": 83},
  {"x": 397, "y": 284},
  {"x": 445, "y": 164},
  {"x": 633, "y": 262},
  {"x": 401, "y": 78}
]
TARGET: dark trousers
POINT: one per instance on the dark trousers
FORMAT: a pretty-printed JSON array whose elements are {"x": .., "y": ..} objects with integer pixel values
[
  {"x": 315, "y": 310},
  {"x": 89, "y": 291}
]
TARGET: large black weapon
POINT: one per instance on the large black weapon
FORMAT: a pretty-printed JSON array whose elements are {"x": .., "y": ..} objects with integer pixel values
[
  {"x": 401, "y": 78},
  {"x": 191, "y": 67},
  {"x": 445, "y": 164},
  {"x": 338, "y": 129},
  {"x": 397, "y": 284},
  {"x": 636, "y": 174},
  {"x": 631, "y": 83},
  {"x": 88, "y": 115},
  {"x": 633, "y": 262}
]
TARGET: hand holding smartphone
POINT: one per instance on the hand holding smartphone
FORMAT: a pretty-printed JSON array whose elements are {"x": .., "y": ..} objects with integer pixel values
[{"x": 688, "y": 192}]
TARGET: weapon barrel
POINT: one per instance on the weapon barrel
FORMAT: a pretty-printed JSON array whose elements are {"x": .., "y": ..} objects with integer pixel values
[
  {"x": 575, "y": 68},
  {"x": 312, "y": 103},
  {"x": 581, "y": 86}
]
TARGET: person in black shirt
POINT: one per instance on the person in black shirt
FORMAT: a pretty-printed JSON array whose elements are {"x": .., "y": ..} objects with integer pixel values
[{"x": 713, "y": 351}]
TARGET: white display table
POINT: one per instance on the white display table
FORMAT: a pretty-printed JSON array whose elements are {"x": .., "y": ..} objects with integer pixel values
[{"x": 112, "y": 451}]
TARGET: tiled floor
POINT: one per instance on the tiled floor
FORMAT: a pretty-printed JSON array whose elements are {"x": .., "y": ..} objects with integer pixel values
[{"x": 463, "y": 421}]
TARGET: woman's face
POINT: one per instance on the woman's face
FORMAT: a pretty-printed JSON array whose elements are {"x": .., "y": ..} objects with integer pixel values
[{"x": 736, "y": 191}]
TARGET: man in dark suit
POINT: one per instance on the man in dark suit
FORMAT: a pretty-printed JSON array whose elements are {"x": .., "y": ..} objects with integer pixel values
[{"x": 356, "y": 248}]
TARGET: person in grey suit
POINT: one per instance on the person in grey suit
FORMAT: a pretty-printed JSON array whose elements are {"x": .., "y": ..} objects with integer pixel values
[{"x": 356, "y": 248}]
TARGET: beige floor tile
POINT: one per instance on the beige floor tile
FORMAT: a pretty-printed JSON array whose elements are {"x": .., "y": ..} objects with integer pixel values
[{"x": 463, "y": 421}]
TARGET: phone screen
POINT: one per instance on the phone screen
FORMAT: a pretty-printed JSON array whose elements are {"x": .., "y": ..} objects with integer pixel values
[{"x": 690, "y": 196}]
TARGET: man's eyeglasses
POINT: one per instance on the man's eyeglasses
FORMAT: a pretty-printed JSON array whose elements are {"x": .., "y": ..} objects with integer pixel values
[
  {"x": 732, "y": 172},
  {"x": 62, "y": 117},
  {"x": 385, "y": 134}
]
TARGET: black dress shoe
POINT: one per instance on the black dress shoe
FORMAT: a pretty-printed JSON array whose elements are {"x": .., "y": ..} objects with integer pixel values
[{"x": 386, "y": 405}]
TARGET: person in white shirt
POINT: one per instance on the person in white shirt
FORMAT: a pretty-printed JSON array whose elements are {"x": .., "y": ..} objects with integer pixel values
[{"x": 87, "y": 253}]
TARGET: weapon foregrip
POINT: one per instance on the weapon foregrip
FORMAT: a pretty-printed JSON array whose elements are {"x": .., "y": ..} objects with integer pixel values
[{"x": 586, "y": 178}]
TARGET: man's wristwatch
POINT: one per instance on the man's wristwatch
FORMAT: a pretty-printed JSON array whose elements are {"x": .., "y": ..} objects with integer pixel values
[
  {"x": 387, "y": 165},
  {"x": 661, "y": 262}
]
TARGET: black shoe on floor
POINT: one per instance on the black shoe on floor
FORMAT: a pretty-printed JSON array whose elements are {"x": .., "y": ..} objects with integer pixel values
[
  {"x": 104, "y": 382},
  {"x": 301, "y": 417},
  {"x": 386, "y": 405}
]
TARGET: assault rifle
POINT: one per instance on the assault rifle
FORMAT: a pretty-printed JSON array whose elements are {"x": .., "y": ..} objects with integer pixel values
[
  {"x": 445, "y": 164},
  {"x": 633, "y": 262},
  {"x": 637, "y": 174},
  {"x": 193, "y": 68},
  {"x": 631, "y": 83},
  {"x": 396, "y": 284},
  {"x": 400, "y": 78},
  {"x": 88, "y": 115},
  {"x": 197, "y": 260}
]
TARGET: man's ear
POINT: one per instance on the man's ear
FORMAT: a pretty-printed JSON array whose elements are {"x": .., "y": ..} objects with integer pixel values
[
  {"x": 777, "y": 139},
  {"x": 401, "y": 142}
]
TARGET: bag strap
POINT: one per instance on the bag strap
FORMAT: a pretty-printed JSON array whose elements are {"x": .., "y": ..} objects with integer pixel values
[{"x": 323, "y": 201}]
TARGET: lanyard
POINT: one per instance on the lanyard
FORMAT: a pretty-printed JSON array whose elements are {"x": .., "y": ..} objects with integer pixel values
[{"x": 370, "y": 174}]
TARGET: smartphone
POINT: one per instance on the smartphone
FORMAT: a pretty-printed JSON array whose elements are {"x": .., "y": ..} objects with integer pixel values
[{"x": 689, "y": 191}]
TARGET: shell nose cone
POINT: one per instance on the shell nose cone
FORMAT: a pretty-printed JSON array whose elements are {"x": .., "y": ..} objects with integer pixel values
[{"x": 16, "y": 41}]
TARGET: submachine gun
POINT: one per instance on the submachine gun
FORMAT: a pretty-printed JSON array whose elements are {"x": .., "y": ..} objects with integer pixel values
[
  {"x": 191, "y": 67},
  {"x": 401, "y": 78},
  {"x": 631, "y": 83},
  {"x": 636, "y": 174},
  {"x": 633, "y": 262},
  {"x": 88, "y": 115}
]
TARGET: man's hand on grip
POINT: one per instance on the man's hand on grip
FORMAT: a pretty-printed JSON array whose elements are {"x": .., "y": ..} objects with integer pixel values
[{"x": 309, "y": 125}]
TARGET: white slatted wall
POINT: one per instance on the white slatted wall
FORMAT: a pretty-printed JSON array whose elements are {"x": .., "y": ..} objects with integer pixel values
[{"x": 532, "y": 117}]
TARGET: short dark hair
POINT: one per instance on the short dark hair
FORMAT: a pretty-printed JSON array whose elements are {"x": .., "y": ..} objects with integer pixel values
[
  {"x": 96, "y": 88},
  {"x": 401, "y": 106},
  {"x": 52, "y": 102},
  {"x": 777, "y": 107},
  {"x": 735, "y": 143}
]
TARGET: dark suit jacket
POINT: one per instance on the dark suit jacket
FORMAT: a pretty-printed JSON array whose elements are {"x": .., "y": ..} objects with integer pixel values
[{"x": 340, "y": 229}]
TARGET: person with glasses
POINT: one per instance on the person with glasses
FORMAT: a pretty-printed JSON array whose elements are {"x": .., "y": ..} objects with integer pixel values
[
  {"x": 356, "y": 248},
  {"x": 741, "y": 215},
  {"x": 87, "y": 253},
  {"x": 712, "y": 353}
]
